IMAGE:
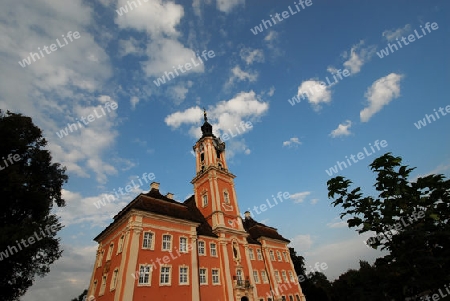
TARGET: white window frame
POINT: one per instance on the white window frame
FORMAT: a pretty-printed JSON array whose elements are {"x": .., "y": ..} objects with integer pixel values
[
  {"x": 251, "y": 254},
  {"x": 103, "y": 285},
  {"x": 279, "y": 256},
  {"x": 152, "y": 240},
  {"x": 211, "y": 249},
  {"x": 115, "y": 276},
  {"x": 110, "y": 251},
  {"x": 256, "y": 276},
  {"x": 264, "y": 278},
  {"x": 204, "y": 277},
  {"x": 186, "y": 275},
  {"x": 169, "y": 274},
  {"x": 284, "y": 276},
  {"x": 291, "y": 276},
  {"x": 272, "y": 255},
  {"x": 259, "y": 254},
  {"x": 141, "y": 279},
  {"x": 277, "y": 276},
  {"x": 183, "y": 247},
  {"x": 201, "y": 245},
  {"x": 100, "y": 258},
  {"x": 94, "y": 289},
  {"x": 286, "y": 258},
  {"x": 215, "y": 277},
  {"x": 239, "y": 274},
  {"x": 226, "y": 197},
  {"x": 164, "y": 242},
  {"x": 205, "y": 200},
  {"x": 120, "y": 244}
]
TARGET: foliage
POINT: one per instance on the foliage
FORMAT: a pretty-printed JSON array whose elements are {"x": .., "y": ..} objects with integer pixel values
[
  {"x": 410, "y": 221},
  {"x": 29, "y": 188}
]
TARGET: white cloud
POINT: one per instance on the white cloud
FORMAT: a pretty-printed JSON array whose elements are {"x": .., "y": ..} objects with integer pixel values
[
  {"x": 314, "y": 201},
  {"x": 179, "y": 91},
  {"x": 225, "y": 115},
  {"x": 299, "y": 197},
  {"x": 134, "y": 101},
  {"x": 252, "y": 55},
  {"x": 227, "y": 5},
  {"x": 339, "y": 224},
  {"x": 292, "y": 141},
  {"x": 301, "y": 243},
  {"x": 240, "y": 75},
  {"x": 380, "y": 94},
  {"x": 342, "y": 129},
  {"x": 315, "y": 92},
  {"x": 271, "y": 91},
  {"x": 164, "y": 54},
  {"x": 72, "y": 271},
  {"x": 130, "y": 46},
  {"x": 358, "y": 57},
  {"x": 392, "y": 34}
]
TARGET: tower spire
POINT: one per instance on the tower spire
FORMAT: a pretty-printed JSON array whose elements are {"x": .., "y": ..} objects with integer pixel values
[{"x": 206, "y": 127}]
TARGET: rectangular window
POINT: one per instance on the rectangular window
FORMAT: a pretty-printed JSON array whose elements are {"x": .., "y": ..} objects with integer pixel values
[
  {"x": 239, "y": 276},
  {"x": 215, "y": 276},
  {"x": 114, "y": 279},
  {"x": 272, "y": 257},
  {"x": 167, "y": 242},
  {"x": 279, "y": 256},
  {"x": 283, "y": 274},
  {"x": 110, "y": 251},
  {"x": 102, "y": 288},
  {"x": 251, "y": 254},
  {"x": 165, "y": 276},
  {"x": 100, "y": 258},
  {"x": 226, "y": 197},
  {"x": 184, "y": 275},
  {"x": 201, "y": 247},
  {"x": 258, "y": 254},
  {"x": 285, "y": 257},
  {"x": 291, "y": 276},
  {"x": 283, "y": 298},
  {"x": 203, "y": 276},
  {"x": 120, "y": 248},
  {"x": 264, "y": 277},
  {"x": 298, "y": 298},
  {"x": 291, "y": 298},
  {"x": 256, "y": 276},
  {"x": 205, "y": 200},
  {"x": 144, "y": 274},
  {"x": 277, "y": 277},
  {"x": 94, "y": 289},
  {"x": 213, "y": 250},
  {"x": 147, "y": 242},
  {"x": 183, "y": 244}
]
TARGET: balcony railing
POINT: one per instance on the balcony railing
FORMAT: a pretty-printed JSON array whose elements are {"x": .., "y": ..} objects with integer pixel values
[{"x": 240, "y": 283}]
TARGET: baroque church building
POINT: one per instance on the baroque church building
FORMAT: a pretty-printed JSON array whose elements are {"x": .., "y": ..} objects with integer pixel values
[{"x": 159, "y": 249}]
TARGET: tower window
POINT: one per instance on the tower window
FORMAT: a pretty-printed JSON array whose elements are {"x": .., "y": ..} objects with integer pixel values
[
  {"x": 205, "y": 200},
  {"x": 202, "y": 157},
  {"x": 226, "y": 197}
]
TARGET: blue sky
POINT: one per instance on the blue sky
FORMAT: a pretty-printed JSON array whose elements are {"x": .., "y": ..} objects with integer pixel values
[{"x": 249, "y": 78}]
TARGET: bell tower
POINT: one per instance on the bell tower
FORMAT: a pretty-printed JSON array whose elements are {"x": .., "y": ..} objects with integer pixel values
[{"x": 214, "y": 191}]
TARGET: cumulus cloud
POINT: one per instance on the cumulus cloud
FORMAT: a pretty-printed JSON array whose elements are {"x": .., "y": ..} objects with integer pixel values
[
  {"x": 316, "y": 92},
  {"x": 380, "y": 94},
  {"x": 342, "y": 129},
  {"x": 179, "y": 91},
  {"x": 291, "y": 142},
  {"x": 224, "y": 116},
  {"x": 227, "y": 6},
  {"x": 301, "y": 243},
  {"x": 237, "y": 74},
  {"x": 299, "y": 197},
  {"x": 357, "y": 57},
  {"x": 252, "y": 55},
  {"x": 392, "y": 34}
]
